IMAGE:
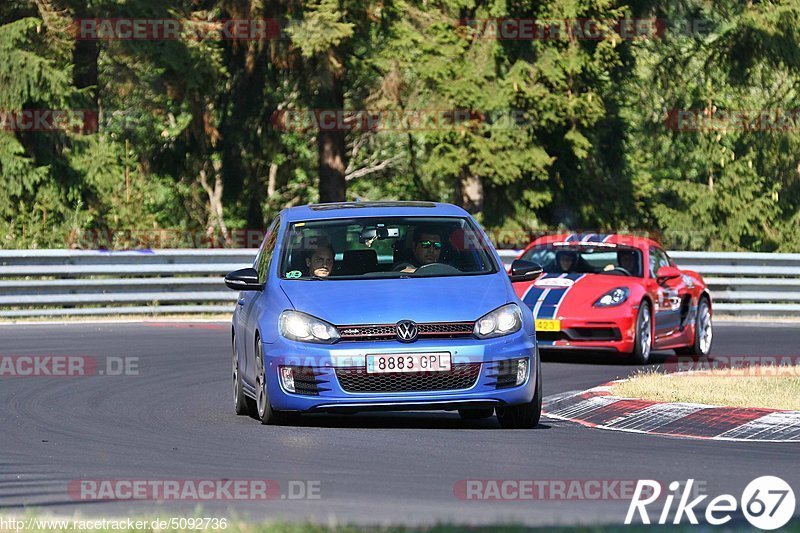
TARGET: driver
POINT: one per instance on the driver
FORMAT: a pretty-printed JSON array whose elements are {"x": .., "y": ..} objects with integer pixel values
[
  {"x": 566, "y": 260},
  {"x": 627, "y": 260},
  {"x": 427, "y": 249}
]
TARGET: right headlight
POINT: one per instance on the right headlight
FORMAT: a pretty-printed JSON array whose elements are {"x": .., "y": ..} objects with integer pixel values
[
  {"x": 299, "y": 326},
  {"x": 613, "y": 297},
  {"x": 502, "y": 321}
]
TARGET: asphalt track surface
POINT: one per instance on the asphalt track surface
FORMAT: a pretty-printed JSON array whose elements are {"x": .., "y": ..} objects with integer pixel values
[{"x": 174, "y": 421}]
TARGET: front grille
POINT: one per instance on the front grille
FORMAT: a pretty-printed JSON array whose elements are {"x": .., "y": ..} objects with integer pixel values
[
  {"x": 461, "y": 376},
  {"x": 384, "y": 332},
  {"x": 580, "y": 334},
  {"x": 551, "y": 336},
  {"x": 367, "y": 333},
  {"x": 595, "y": 334}
]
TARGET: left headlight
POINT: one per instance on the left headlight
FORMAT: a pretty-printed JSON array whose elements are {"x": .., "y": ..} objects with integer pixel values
[
  {"x": 613, "y": 297},
  {"x": 502, "y": 321},
  {"x": 299, "y": 326}
]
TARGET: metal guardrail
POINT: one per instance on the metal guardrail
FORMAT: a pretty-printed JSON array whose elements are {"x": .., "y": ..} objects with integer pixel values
[{"x": 52, "y": 283}]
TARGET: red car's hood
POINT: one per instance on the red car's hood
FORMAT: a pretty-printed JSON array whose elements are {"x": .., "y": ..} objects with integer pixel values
[{"x": 556, "y": 295}]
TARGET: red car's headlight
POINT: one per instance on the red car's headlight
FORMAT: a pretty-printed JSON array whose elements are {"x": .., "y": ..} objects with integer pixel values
[{"x": 613, "y": 297}]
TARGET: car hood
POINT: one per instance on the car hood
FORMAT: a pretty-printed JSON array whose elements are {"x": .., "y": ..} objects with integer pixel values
[
  {"x": 548, "y": 294},
  {"x": 387, "y": 301}
]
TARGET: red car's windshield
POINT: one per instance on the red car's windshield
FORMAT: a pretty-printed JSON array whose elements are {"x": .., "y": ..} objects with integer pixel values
[{"x": 568, "y": 258}]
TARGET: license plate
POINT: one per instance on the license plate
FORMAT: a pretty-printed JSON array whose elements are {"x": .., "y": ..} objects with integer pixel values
[
  {"x": 548, "y": 325},
  {"x": 408, "y": 362}
]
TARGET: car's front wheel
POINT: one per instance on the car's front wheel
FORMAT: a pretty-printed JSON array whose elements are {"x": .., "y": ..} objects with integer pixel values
[
  {"x": 525, "y": 416},
  {"x": 643, "y": 340},
  {"x": 264, "y": 411},
  {"x": 703, "y": 332}
]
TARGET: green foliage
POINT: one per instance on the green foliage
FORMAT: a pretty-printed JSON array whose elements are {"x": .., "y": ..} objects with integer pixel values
[{"x": 552, "y": 133}]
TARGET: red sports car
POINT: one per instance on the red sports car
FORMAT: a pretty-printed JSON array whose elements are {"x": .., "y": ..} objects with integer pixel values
[{"x": 615, "y": 292}]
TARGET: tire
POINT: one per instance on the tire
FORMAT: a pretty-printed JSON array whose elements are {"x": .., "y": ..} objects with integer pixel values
[
  {"x": 703, "y": 332},
  {"x": 476, "y": 414},
  {"x": 525, "y": 416},
  {"x": 264, "y": 411},
  {"x": 643, "y": 340},
  {"x": 241, "y": 403}
]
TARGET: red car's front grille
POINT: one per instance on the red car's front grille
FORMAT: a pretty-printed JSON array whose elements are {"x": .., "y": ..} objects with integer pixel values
[
  {"x": 429, "y": 330},
  {"x": 581, "y": 334},
  {"x": 460, "y": 376}
]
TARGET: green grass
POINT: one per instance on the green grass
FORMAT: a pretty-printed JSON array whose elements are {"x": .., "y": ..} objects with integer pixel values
[{"x": 766, "y": 387}]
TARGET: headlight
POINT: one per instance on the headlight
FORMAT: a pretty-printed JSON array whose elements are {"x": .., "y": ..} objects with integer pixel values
[
  {"x": 502, "y": 321},
  {"x": 613, "y": 297},
  {"x": 299, "y": 326}
]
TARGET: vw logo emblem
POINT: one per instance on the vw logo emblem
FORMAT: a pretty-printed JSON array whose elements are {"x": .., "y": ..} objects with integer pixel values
[{"x": 406, "y": 331}]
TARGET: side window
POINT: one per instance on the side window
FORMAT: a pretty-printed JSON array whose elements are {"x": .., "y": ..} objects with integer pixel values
[
  {"x": 265, "y": 256},
  {"x": 658, "y": 259}
]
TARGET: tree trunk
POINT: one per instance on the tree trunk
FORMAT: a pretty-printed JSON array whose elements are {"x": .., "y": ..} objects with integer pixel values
[
  {"x": 331, "y": 147},
  {"x": 84, "y": 74},
  {"x": 216, "y": 216},
  {"x": 469, "y": 192}
]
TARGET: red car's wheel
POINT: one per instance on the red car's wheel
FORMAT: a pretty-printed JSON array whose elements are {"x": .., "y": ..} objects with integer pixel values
[
  {"x": 643, "y": 341},
  {"x": 703, "y": 332}
]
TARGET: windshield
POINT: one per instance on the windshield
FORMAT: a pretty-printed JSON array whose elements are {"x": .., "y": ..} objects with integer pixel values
[
  {"x": 568, "y": 258},
  {"x": 385, "y": 247}
]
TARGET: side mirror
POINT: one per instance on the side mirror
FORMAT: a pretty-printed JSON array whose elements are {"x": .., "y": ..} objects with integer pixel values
[
  {"x": 522, "y": 270},
  {"x": 245, "y": 279},
  {"x": 666, "y": 273}
]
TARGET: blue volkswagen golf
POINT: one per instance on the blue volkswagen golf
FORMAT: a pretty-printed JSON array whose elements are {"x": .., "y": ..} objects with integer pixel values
[{"x": 365, "y": 306}]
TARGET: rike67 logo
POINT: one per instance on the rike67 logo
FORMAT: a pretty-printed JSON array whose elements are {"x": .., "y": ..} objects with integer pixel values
[{"x": 767, "y": 503}]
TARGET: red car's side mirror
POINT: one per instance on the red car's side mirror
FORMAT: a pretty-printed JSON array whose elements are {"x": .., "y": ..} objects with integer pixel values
[{"x": 666, "y": 273}]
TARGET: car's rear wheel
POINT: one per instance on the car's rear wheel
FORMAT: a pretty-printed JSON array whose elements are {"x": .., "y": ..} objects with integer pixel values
[
  {"x": 476, "y": 414},
  {"x": 264, "y": 411},
  {"x": 242, "y": 404},
  {"x": 643, "y": 340},
  {"x": 703, "y": 332},
  {"x": 525, "y": 416}
]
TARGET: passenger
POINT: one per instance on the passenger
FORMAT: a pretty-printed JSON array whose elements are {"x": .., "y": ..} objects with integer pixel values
[{"x": 320, "y": 264}]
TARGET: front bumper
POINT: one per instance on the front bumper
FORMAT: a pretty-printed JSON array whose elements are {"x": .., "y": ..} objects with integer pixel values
[
  {"x": 323, "y": 361},
  {"x": 615, "y": 334}
]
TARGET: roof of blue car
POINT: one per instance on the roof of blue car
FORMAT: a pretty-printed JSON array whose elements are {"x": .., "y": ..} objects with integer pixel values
[{"x": 370, "y": 209}]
